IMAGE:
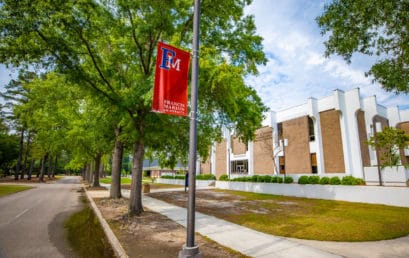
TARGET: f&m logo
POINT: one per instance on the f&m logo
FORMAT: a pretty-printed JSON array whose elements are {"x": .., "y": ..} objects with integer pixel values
[{"x": 169, "y": 59}]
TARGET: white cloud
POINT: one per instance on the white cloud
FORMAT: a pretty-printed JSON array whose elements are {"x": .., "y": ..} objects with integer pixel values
[{"x": 298, "y": 69}]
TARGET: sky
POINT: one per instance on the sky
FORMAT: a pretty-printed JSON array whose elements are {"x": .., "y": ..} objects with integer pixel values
[{"x": 296, "y": 68}]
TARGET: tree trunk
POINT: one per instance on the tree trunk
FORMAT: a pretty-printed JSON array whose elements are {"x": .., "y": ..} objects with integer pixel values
[
  {"x": 30, "y": 170},
  {"x": 20, "y": 155},
  {"x": 96, "y": 170},
  {"x": 101, "y": 169},
  {"x": 23, "y": 170},
  {"x": 115, "y": 191},
  {"x": 87, "y": 172},
  {"x": 83, "y": 171},
  {"x": 43, "y": 164},
  {"x": 50, "y": 167},
  {"x": 39, "y": 171},
  {"x": 135, "y": 200},
  {"x": 91, "y": 170},
  {"x": 54, "y": 167}
]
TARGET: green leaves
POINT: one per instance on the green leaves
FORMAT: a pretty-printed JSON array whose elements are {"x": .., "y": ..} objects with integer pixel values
[
  {"x": 372, "y": 28},
  {"x": 389, "y": 142},
  {"x": 107, "y": 50}
]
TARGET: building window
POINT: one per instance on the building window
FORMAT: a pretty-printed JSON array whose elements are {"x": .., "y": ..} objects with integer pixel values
[
  {"x": 280, "y": 130},
  {"x": 314, "y": 167},
  {"x": 282, "y": 164},
  {"x": 311, "y": 129},
  {"x": 239, "y": 166}
]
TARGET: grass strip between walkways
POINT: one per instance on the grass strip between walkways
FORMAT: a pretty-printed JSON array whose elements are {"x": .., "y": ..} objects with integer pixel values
[
  {"x": 126, "y": 182},
  {"x": 10, "y": 189},
  {"x": 300, "y": 217}
]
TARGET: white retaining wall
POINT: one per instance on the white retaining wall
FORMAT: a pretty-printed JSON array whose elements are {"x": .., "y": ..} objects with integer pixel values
[
  {"x": 199, "y": 183},
  {"x": 395, "y": 196},
  {"x": 393, "y": 176}
]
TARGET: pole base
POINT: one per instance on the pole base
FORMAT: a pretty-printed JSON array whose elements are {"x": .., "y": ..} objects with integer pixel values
[{"x": 190, "y": 252}]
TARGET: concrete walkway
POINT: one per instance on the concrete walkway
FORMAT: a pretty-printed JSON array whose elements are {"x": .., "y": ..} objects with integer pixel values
[
  {"x": 257, "y": 244},
  {"x": 236, "y": 237}
]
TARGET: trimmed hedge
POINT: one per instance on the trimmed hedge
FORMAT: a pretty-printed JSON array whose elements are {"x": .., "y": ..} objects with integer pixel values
[
  {"x": 198, "y": 177},
  {"x": 224, "y": 177},
  {"x": 350, "y": 180},
  {"x": 303, "y": 180},
  {"x": 262, "y": 179},
  {"x": 313, "y": 180},
  {"x": 324, "y": 180},
  {"x": 346, "y": 180},
  {"x": 334, "y": 181},
  {"x": 205, "y": 177},
  {"x": 173, "y": 177},
  {"x": 288, "y": 180}
]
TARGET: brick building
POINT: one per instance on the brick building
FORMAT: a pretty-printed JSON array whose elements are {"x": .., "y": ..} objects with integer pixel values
[{"x": 324, "y": 137}]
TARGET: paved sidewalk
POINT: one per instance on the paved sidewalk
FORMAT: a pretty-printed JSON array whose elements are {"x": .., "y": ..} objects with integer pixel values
[
  {"x": 257, "y": 244},
  {"x": 236, "y": 237}
]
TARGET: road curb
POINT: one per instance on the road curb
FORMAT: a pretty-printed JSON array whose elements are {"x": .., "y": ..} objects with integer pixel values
[{"x": 113, "y": 240}]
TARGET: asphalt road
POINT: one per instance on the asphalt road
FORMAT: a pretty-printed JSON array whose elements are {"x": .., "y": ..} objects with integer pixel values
[{"x": 32, "y": 221}]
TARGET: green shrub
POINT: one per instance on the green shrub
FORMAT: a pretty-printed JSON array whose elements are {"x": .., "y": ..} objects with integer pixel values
[
  {"x": 313, "y": 179},
  {"x": 303, "y": 180},
  {"x": 274, "y": 179},
  {"x": 348, "y": 180},
  {"x": 254, "y": 178},
  {"x": 205, "y": 177},
  {"x": 279, "y": 180},
  {"x": 264, "y": 179},
  {"x": 288, "y": 180},
  {"x": 324, "y": 180},
  {"x": 224, "y": 177},
  {"x": 241, "y": 179},
  {"x": 360, "y": 181},
  {"x": 335, "y": 181}
]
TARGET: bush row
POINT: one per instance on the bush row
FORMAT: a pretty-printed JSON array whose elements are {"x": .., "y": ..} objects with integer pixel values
[
  {"x": 346, "y": 180},
  {"x": 173, "y": 177},
  {"x": 198, "y": 177},
  {"x": 259, "y": 178}
]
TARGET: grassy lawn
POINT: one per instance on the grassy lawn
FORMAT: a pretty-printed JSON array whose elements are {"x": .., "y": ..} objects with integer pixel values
[
  {"x": 124, "y": 180},
  {"x": 127, "y": 181},
  {"x": 299, "y": 217},
  {"x": 322, "y": 219},
  {"x": 10, "y": 189}
]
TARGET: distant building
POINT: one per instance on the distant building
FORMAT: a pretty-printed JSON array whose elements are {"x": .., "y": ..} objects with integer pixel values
[
  {"x": 326, "y": 137},
  {"x": 153, "y": 169}
]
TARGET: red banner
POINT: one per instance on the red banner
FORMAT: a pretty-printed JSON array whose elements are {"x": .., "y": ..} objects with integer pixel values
[{"x": 171, "y": 79}]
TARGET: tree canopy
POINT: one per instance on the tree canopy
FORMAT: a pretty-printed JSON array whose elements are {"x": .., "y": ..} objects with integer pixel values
[
  {"x": 373, "y": 27},
  {"x": 108, "y": 48}
]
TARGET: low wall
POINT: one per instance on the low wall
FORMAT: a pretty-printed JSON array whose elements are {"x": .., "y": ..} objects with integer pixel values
[
  {"x": 199, "y": 183},
  {"x": 395, "y": 196},
  {"x": 391, "y": 176}
]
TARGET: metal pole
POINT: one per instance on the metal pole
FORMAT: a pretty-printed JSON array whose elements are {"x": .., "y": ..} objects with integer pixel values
[{"x": 190, "y": 249}]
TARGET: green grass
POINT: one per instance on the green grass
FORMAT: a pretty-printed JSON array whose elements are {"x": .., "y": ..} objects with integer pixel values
[
  {"x": 128, "y": 181},
  {"x": 86, "y": 236},
  {"x": 320, "y": 219},
  {"x": 10, "y": 189},
  {"x": 124, "y": 180}
]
